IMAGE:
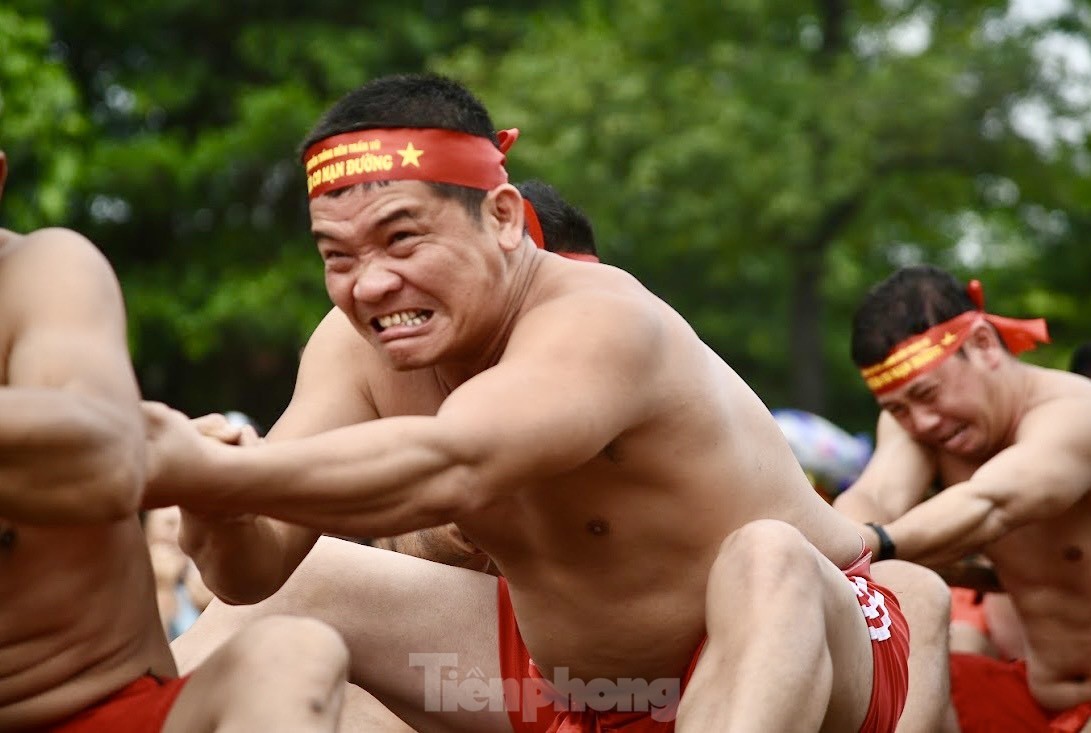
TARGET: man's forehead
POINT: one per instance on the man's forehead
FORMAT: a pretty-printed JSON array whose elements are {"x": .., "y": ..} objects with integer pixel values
[
  {"x": 371, "y": 205},
  {"x": 914, "y": 388}
]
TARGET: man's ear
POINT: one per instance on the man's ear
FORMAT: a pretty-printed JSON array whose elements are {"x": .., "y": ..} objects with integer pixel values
[
  {"x": 986, "y": 341},
  {"x": 503, "y": 206}
]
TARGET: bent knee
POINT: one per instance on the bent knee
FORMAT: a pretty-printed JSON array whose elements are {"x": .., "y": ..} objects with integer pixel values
[
  {"x": 764, "y": 541},
  {"x": 766, "y": 551}
]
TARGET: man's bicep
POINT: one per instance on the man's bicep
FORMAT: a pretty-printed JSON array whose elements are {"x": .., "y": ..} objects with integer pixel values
[
  {"x": 556, "y": 399},
  {"x": 1047, "y": 469}
]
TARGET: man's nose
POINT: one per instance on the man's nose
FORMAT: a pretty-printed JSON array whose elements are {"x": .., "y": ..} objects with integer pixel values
[
  {"x": 925, "y": 419},
  {"x": 374, "y": 282}
]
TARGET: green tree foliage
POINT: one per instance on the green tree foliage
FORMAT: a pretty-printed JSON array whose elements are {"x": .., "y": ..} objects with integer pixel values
[
  {"x": 42, "y": 124},
  {"x": 188, "y": 178},
  {"x": 758, "y": 164}
]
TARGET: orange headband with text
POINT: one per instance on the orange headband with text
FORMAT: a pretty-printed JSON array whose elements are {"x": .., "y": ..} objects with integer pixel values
[
  {"x": 400, "y": 154},
  {"x": 923, "y": 352}
]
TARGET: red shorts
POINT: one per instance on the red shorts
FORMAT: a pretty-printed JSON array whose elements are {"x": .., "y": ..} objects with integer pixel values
[
  {"x": 991, "y": 695},
  {"x": 967, "y": 607},
  {"x": 140, "y": 707},
  {"x": 537, "y": 707},
  {"x": 889, "y": 633}
]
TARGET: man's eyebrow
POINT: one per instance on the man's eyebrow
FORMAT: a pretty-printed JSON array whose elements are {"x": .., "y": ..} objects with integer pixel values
[
  {"x": 396, "y": 215},
  {"x": 393, "y": 216}
]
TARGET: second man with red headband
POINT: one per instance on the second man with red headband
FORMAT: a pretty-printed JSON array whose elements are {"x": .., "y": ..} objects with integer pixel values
[{"x": 1009, "y": 444}]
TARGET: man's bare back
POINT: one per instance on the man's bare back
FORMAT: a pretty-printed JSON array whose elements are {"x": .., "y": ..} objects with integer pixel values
[{"x": 80, "y": 622}]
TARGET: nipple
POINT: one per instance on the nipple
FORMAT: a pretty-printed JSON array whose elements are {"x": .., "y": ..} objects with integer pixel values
[{"x": 598, "y": 527}]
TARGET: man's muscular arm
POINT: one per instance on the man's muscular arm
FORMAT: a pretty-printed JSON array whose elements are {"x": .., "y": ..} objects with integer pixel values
[
  {"x": 71, "y": 438},
  {"x": 556, "y": 398},
  {"x": 1045, "y": 472},
  {"x": 244, "y": 558},
  {"x": 895, "y": 480}
]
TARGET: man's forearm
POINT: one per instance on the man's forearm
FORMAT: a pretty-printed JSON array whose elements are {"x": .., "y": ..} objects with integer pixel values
[
  {"x": 374, "y": 479},
  {"x": 946, "y": 528},
  {"x": 67, "y": 458}
]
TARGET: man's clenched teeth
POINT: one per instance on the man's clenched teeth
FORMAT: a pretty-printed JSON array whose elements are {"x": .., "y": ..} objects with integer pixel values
[{"x": 401, "y": 318}]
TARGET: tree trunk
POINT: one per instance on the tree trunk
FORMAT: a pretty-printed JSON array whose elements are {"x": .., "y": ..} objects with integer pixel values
[{"x": 805, "y": 331}]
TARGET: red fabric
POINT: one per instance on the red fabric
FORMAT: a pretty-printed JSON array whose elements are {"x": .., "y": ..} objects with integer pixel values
[
  {"x": 992, "y": 695},
  {"x": 403, "y": 154},
  {"x": 889, "y": 647},
  {"x": 890, "y": 677},
  {"x": 549, "y": 714},
  {"x": 581, "y": 256},
  {"x": 966, "y": 607},
  {"x": 534, "y": 227},
  {"x": 141, "y": 707}
]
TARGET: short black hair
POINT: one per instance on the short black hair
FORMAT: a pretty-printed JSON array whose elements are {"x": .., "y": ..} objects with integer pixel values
[
  {"x": 564, "y": 227},
  {"x": 410, "y": 100},
  {"x": 909, "y": 302},
  {"x": 1081, "y": 359}
]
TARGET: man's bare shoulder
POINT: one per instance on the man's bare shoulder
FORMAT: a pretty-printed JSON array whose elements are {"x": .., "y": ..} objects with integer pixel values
[
  {"x": 596, "y": 297},
  {"x": 36, "y": 268},
  {"x": 1057, "y": 399},
  {"x": 341, "y": 371},
  {"x": 51, "y": 261}
]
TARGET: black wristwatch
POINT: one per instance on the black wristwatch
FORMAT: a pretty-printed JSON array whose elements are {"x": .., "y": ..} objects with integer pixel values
[{"x": 887, "y": 550}]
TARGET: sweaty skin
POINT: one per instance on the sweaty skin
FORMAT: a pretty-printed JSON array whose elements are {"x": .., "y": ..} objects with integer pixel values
[
  {"x": 1011, "y": 444},
  {"x": 82, "y": 621}
]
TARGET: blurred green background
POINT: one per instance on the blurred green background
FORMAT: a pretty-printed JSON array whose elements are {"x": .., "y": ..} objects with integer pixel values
[{"x": 757, "y": 163}]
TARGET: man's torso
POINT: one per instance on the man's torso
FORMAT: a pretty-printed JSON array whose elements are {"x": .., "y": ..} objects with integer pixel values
[
  {"x": 78, "y": 618},
  {"x": 1046, "y": 568},
  {"x": 616, "y": 552}
]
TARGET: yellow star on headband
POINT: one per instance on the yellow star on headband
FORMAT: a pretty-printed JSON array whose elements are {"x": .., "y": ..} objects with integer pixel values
[
  {"x": 410, "y": 155},
  {"x": 948, "y": 337}
]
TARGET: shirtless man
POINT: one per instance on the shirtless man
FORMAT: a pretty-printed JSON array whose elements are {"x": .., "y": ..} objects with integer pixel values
[
  {"x": 922, "y": 594},
  {"x": 561, "y": 228},
  {"x": 1011, "y": 444},
  {"x": 647, "y": 515},
  {"x": 81, "y": 645}
]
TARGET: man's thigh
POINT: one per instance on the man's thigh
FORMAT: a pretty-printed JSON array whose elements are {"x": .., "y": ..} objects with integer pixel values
[{"x": 420, "y": 634}]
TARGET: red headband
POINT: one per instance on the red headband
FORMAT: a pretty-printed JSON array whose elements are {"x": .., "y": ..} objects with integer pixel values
[
  {"x": 921, "y": 353},
  {"x": 400, "y": 154}
]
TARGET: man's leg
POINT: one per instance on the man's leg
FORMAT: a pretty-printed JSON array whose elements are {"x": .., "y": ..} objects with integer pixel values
[
  {"x": 925, "y": 601},
  {"x": 281, "y": 674},
  {"x": 788, "y": 647},
  {"x": 362, "y": 713},
  {"x": 421, "y": 635}
]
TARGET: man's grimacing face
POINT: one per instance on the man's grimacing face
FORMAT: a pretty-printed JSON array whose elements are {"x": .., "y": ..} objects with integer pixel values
[
  {"x": 415, "y": 273},
  {"x": 946, "y": 408}
]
